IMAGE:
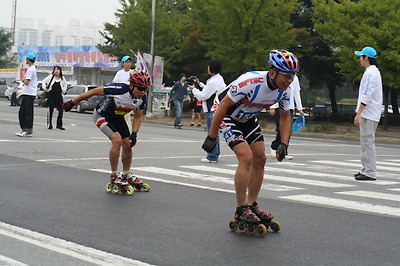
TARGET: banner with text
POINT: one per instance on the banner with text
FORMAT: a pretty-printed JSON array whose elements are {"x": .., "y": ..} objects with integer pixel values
[{"x": 68, "y": 56}]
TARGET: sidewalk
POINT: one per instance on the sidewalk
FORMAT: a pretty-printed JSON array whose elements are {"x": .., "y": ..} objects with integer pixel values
[{"x": 311, "y": 130}]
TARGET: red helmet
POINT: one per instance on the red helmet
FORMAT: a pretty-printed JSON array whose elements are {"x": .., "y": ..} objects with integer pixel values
[{"x": 139, "y": 79}]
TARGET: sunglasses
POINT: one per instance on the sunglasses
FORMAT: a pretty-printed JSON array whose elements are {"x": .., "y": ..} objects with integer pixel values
[
  {"x": 141, "y": 89},
  {"x": 288, "y": 75}
]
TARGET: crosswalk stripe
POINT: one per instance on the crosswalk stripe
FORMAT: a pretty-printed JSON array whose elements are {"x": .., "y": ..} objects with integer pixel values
[
  {"x": 386, "y": 168},
  {"x": 273, "y": 177},
  {"x": 344, "y": 204},
  {"x": 388, "y": 163},
  {"x": 324, "y": 175},
  {"x": 371, "y": 194},
  {"x": 203, "y": 177}
]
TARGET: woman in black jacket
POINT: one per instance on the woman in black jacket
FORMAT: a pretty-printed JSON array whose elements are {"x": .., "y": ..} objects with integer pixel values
[{"x": 55, "y": 85}]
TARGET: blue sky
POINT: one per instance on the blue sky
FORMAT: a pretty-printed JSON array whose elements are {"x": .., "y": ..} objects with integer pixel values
[{"x": 59, "y": 12}]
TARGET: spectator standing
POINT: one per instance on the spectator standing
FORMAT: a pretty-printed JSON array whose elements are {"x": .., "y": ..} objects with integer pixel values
[
  {"x": 368, "y": 110},
  {"x": 55, "y": 86},
  {"x": 28, "y": 94},
  {"x": 195, "y": 106},
  {"x": 14, "y": 90},
  {"x": 214, "y": 85},
  {"x": 178, "y": 93},
  {"x": 274, "y": 110}
]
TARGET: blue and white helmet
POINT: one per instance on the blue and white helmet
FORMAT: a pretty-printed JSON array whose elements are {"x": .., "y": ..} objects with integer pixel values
[{"x": 284, "y": 60}]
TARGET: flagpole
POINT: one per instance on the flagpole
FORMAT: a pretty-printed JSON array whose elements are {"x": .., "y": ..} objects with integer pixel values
[{"x": 149, "y": 112}]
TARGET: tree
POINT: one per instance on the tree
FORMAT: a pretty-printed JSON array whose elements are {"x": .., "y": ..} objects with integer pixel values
[
  {"x": 132, "y": 31},
  {"x": 241, "y": 33},
  {"x": 6, "y": 60},
  {"x": 317, "y": 62},
  {"x": 349, "y": 26}
]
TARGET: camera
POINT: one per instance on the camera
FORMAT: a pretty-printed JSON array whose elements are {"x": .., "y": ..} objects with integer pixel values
[{"x": 191, "y": 80}]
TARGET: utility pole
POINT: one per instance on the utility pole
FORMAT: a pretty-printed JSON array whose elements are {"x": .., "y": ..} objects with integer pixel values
[
  {"x": 13, "y": 20},
  {"x": 149, "y": 112}
]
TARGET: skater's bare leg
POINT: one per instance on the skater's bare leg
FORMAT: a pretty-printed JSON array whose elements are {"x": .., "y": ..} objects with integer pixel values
[
  {"x": 126, "y": 155},
  {"x": 256, "y": 174},
  {"x": 116, "y": 142},
  {"x": 244, "y": 155}
]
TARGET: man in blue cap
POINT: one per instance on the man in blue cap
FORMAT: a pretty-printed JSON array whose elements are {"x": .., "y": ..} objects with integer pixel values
[
  {"x": 122, "y": 76},
  {"x": 368, "y": 110},
  {"x": 28, "y": 95}
]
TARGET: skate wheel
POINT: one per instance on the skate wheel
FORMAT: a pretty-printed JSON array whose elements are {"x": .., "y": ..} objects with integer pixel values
[
  {"x": 242, "y": 228},
  {"x": 275, "y": 226},
  {"x": 233, "y": 225},
  {"x": 130, "y": 190},
  {"x": 115, "y": 189},
  {"x": 143, "y": 187},
  {"x": 262, "y": 230},
  {"x": 252, "y": 229},
  {"x": 109, "y": 187}
]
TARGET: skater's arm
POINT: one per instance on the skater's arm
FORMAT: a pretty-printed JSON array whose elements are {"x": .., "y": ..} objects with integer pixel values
[
  {"x": 88, "y": 94},
  {"x": 284, "y": 126},
  {"x": 219, "y": 116},
  {"x": 137, "y": 120}
]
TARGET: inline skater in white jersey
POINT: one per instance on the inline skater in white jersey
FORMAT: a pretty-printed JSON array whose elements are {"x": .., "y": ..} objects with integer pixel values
[
  {"x": 236, "y": 118},
  {"x": 108, "y": 116}
]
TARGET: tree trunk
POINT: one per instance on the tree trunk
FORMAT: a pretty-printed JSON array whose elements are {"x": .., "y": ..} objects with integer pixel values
[
  {"x": 394, "y": 93},
  {"x": 332, "y": 97}
]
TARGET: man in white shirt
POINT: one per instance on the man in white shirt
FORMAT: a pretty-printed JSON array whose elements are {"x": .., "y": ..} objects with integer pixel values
[
  {"x": 214, "y": 85},
  {"x": 28, "y": 95},
  {"x": 368, "y": 110}
]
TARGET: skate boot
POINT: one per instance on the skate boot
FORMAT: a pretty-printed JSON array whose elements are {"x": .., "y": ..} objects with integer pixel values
[
  {"x": 118, "y": 183},
  {"x": 137, "y": 183},
  {"x": 246, "y": 220},
  {"x": 265, "y": 217}
]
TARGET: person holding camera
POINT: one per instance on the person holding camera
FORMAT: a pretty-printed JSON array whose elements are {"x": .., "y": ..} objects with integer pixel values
[
  {"x": 178, "y": 93},
  {"x": 236, "y": 115},
  {"x": 214, "y": 85}
]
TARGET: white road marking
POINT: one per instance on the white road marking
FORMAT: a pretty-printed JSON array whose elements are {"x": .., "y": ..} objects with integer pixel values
[
  {"x": 65, "y": 247},
  {"x": 274, "y": 177},
  {"x": 209, "y": 178},
  {"x": 10, "y": 262},
  {"x": 358, "y": 165},
  {"x": 344, "y": 204},
  {"x": 371, "y": 194}
]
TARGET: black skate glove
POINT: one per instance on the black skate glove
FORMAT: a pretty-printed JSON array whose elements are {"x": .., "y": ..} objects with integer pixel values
[
  {"x": 68, "y": 106},
  {"x": 281, "y": 152},
  {"x": 209, "y": 144},
  {"x": 133, "y": 138}
]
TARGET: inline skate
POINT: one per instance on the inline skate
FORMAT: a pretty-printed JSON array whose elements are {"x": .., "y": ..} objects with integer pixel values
[
  {"x": 118, "y": 183},
  {"x": 137, "y": 183},
  {"x": 265, "y": 217},
  {"x": 246, "y": 220}
]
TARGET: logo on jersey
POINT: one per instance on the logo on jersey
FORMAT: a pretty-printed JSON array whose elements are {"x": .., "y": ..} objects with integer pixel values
[
  {"x": 234, "y": 89},
  {"x": 251, "y": 81}
]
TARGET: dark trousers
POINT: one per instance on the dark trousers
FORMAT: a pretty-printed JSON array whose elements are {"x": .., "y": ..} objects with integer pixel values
[
  {"x": 50, "y": 116},
  {"x": 25, "y": 113},
  {"x": 277, "y": 141},
  {"x": 14, "y": 99}
]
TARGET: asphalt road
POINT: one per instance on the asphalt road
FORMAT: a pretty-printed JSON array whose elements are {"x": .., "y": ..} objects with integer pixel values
[{"x": 54, "y": 209}]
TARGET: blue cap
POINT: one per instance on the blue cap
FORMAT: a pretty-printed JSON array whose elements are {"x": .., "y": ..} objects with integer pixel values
[
  {"x": 31, "y": 56},
  {"x": 368, "y": 51},
  {"x": 298, "y": 124},
  {"x": 126, "y": 57}
]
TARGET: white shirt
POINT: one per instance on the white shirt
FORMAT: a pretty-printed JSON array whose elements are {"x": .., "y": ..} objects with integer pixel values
[
  {"x": 294, "y": 96},
  {"x": 251, "y": 94},
  {"x": 122, "y": 76},
  {"x": 215, "y": 84},
  {"x": 31, "y": 88},
  {"x": 370, "y": 93},
  {"x": 63, "y": 83}
]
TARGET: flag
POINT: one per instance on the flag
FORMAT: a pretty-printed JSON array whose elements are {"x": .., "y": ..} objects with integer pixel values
[{"x": 140, "y": 64}]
